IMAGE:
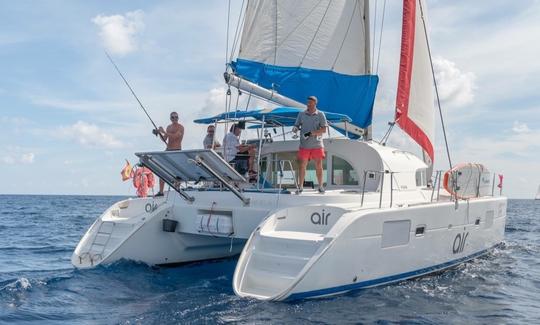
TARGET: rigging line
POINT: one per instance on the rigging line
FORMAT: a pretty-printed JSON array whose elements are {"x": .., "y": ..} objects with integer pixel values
[
  {"x": 227, "y": 42},
  {"x": 237, "y": 99},
  {"x": 346, "y": 34},
  {"x": 380, "y": 37},
  {"x": 300, "y": 23},
  {"x": 435, "y": 84},
  {"x": 240, "y": 22},
  {"x": 227, "y": 106},
  {"x": 247, "y": 104},
  {"x": 364, "y": 37},
  {"x": 387, "y": 134},
  {"x": 374, "y": 34},
  {"x": 134, "y": 95},
  {"x": 275, "y": 32},
  {"x": 316, "y": 32}
]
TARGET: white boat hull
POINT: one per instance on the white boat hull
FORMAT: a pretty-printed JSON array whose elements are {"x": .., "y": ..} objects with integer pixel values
[
  {"x": 364, "y": 248},
  {"x": 137, "y": 234}
]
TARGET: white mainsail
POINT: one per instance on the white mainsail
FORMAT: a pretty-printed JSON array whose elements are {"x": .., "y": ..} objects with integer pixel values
[
  {"x": 537, "y": 197},
  {"x": 310, "y": 47},
  {"x": 415, "y": 112},
  {"x": 323, "y": 35}
]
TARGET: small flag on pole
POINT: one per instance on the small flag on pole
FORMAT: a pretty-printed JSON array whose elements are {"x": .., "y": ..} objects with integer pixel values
[
  {"x": 500, "y": 181},
  {"x": 126, "y": 171}
]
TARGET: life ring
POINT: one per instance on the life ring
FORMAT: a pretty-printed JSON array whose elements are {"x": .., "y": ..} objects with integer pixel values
[
  {"x": 143, "y": 180},
  {"x": 467, "y": 180}
]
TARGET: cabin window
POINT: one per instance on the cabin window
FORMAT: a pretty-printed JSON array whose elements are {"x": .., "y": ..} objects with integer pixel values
[
  {"x": 264, "y": 167},
  {"x": 421, "y": 178},
  {"x": 343, "y": 173}
]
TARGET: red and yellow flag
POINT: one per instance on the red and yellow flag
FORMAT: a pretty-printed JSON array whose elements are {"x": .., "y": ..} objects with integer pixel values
[{"x": 126, "y": 171}]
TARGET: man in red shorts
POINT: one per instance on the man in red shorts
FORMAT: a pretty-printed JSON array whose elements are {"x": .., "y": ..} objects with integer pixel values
[{"x": 312, "y": 125}]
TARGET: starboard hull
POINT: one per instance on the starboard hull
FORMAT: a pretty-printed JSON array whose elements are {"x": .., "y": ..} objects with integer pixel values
[{"x": 366, "y": 249}]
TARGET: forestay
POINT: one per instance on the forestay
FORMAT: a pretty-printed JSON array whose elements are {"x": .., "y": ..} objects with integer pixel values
[{"x": 311, "y": 47}]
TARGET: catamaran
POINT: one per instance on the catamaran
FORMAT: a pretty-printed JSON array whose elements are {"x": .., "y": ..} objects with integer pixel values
[{"x": 386, "y": 215}]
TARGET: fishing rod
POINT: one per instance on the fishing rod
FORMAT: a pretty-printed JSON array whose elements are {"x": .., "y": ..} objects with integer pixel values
[{"x": 137, "y": 98}]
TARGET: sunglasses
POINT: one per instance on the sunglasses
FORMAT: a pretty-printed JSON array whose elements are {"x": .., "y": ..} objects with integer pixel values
[{"x": 174, "y": 116}]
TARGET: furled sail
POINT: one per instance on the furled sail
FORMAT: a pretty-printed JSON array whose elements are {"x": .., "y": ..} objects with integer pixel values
[
  {"x": 311, "y": 47},
  {"x": 415, "y": 112}
]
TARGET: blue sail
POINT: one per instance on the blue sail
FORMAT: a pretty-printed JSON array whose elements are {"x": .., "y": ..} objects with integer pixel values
[{"x": 338, "y": 93}]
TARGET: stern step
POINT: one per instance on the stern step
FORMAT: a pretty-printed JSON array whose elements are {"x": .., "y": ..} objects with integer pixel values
[{"x": 277, "y": 259}]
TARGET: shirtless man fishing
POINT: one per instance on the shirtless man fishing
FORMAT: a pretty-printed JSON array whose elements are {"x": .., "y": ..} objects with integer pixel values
[{"x": 173, "y": 136}]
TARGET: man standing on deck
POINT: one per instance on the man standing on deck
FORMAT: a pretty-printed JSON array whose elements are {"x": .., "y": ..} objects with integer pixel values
[
  {"x": 173, "y": 136},
  {"x": 312, "y": 125}
]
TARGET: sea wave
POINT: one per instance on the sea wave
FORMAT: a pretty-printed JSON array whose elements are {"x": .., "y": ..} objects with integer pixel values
[{"x": 38, "y": 283}]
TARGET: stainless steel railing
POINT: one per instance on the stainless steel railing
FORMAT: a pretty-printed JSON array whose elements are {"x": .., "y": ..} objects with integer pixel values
[
  {"x": 381, "y": 185},
  {"x": 435, "y": 186}
]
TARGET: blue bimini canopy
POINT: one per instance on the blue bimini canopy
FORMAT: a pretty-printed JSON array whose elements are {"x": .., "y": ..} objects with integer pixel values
[{"x": 281, "y": 116}]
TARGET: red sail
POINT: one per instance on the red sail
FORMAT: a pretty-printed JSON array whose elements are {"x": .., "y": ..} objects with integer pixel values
[{"x": 412, "y": 73}]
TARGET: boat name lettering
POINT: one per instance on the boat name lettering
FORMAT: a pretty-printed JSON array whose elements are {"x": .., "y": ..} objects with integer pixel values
[
  {"x": 320, "y": 218},
  {"x": 149, "y": 207},
  {"x": 459, "y": 242}
]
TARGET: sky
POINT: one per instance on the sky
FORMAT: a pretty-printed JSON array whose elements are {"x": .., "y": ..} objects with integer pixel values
[{"x": 68, "y": 123}]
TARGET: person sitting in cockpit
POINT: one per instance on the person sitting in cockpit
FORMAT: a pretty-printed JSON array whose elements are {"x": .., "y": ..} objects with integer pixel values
[
  {"x": 240, "y": 155},
  {"x": 210, "y": 142}
]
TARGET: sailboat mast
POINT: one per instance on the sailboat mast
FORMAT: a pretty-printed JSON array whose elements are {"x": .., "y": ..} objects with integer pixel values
[
  {"x": 368, "y": 134},
  {"x": 367, "y": 39}
]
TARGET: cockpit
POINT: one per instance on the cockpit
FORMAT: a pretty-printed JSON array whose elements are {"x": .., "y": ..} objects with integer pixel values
[{"x": 349, "y": 165}]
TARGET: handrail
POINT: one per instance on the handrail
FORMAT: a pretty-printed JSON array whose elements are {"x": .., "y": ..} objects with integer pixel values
[
  {"x": 381, "y": 183},
  {"x": 259, "y": 150},
  {"x": 436, "y": 186},
  {"x": 382, "y": 189},
  {"x": 439, "y": 186},
  {"x": 493, "y": 185},
  {"x": 437, "y": 182},
  {"x": 282, "y": 163},
  {"x": 363, "y": 189},
  {"x": 391, "y": 187}
]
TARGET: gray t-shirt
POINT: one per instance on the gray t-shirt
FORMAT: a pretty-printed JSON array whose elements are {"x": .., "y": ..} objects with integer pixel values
[
  {"x": 207, "y": 142},
  {"x": 307, "y": 123}
]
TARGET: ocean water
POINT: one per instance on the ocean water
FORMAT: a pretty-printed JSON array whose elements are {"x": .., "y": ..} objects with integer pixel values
[{"x": 38, "y": 284}]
